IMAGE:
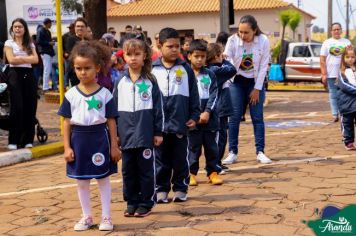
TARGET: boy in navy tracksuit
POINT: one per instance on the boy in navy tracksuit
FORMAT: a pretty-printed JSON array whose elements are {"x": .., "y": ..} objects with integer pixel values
[
  {"x": 176, "y": 81},
  {"x": 204, "y": 135},
  {"x": 224, "y": 71},
  {"x": 140, "y": 125}
]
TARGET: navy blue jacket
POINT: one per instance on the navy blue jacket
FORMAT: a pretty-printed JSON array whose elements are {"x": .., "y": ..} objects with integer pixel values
[
  {"x": 140, "y": 111},
  {"x": 43, "y": 40},
  {"x": 208, "y": 93},
  {"x": 180, "y": 95},
  {"x": 224, "y": 71},
  {"x": 346, "y": 93}
]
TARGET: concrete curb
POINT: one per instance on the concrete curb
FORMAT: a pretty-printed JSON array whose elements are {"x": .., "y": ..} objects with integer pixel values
[
  {"x": 297, "y": 87},
  {"x": 26, "y": 154}
]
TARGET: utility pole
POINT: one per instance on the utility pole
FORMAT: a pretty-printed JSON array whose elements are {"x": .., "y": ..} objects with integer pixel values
[
  {"x": 224, "y": 15},
  {"x": 330, "y": 17},
  {"x": 347, "y": 19}
]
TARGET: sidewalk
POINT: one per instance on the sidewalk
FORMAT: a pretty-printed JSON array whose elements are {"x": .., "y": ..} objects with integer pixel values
[{"x": 50, "y": 122}]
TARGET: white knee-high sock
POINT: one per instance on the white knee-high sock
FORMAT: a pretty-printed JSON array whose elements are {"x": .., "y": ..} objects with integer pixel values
[
  {"x": 84, "y": 196},
  {"x": 105, "y": 195}
]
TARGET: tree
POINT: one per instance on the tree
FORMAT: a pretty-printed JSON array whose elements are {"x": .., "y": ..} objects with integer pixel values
[
  {"x": 284, "y": 17},
  {"x": 94, "y": 13},
  {"x": 316, "y": 29},
  {"x": 294, "y": 21}
]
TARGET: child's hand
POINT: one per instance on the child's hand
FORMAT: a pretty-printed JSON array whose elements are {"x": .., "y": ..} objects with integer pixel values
[
  {"x": 204, "y": 117},
  {"x": 190, "y": 124},
  {"x": 157, "y": 140},
  {"x": 68, "y": 155},
  {"x": 115, "y": 153}
]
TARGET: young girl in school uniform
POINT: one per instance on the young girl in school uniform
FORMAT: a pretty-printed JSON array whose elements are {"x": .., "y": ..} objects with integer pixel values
[
  {"x": 346, "y": 96},
  {"x": 138, "y": 100},
  {"x": 90, "y": 137}
]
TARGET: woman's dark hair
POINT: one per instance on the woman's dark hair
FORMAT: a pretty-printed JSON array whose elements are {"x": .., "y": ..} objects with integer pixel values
[
  {"x": 99, "y": 53},
  {"x": 248, "y": 19},
  {"x": 222, "y": 38},
  {"x": 132, "y": 45},
  {"x": 335, "y": 23},
  {"x": 26, "y": 41}
]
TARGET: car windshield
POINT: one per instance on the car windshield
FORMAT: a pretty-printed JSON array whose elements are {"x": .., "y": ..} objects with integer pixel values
[{"x": 315, "y": 49}]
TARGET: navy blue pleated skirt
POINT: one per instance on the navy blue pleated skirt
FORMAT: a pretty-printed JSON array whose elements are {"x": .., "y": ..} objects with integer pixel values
[{"x": 91, "y": 146}]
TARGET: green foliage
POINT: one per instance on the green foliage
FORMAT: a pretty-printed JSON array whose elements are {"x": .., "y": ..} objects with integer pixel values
[
  {"x": 294, "y": 20},
  {"x": 276, "y": 50},
  {"x": 353, "y": 41},
  {"x": 284, "y": 17},
  {"x": 72, "y": 5}
]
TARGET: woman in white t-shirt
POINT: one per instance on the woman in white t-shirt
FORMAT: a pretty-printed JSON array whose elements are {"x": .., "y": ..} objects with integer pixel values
[
  {"x": 249, "y": 52},
  {"x": 330, "y": 61},
  {"x": 20, "y": 53}
]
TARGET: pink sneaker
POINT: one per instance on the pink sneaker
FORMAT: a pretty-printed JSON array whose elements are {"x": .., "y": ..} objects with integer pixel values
[
  {"x": 350, "y": 147},
  {"x": 85, "y": 223},
  {"x": 106, "y": 224}
]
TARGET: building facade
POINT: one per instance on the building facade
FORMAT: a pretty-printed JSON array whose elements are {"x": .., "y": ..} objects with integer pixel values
[{"x": 202, "y": 17}]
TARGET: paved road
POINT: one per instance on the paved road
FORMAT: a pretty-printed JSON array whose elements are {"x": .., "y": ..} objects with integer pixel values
[{"x": 311, "y": 169}]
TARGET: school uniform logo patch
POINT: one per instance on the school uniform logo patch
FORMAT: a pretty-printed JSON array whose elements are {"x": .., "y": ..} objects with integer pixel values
[
  {"x": 143, "y": 91},
  {"x": 205, "y": 82},
  {"x": 98, "y": 159},
  {"x": 147, "y": 153},
  {"x": 179, "y": 76},
  {"x": 94, "y": 104}
]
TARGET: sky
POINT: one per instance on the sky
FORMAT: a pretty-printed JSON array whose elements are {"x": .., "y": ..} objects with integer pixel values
[{"x": 319, "y": 9}]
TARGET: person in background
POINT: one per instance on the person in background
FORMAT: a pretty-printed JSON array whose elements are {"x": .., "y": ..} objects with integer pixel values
[
  {"x": 330, "y": 61},
  {"x": 224, "y": 71},
  {"x": 89, "y": 34},
  {"x": 128, "y": 31},
  {"x": 80, "y": 30},
  {"x": 139, "y": 33},
  {"x": 54, "y": 70},
  {"x": 112, "y": 31},
  {"x": 156, "y": 53},
  {"x": 45, "y": 48},
  {"x": 66, "y": 51},
  {"x": 249, "y": 51},
  {"x": 20, "y": 52},
  {"x": 222, "y": 38},
  {"x": 37, "y": 68}
]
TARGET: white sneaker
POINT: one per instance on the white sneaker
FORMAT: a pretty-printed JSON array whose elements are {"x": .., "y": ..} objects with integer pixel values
[
  {"x": 106, "y": 224},
  {"x": 84, "y": 224},
  {"x": 162, "y": 197},
  {"x": 29, "y": 145},
  {"x": 12, "y": 147},
  {"x": 180, "y": 196},
  {"x": 262, "y": 158},
  {"x": 230, "y": 159}
]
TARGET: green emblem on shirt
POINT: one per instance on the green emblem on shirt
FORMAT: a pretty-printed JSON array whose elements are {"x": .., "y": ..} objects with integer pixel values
[
  {"x": 143, "y": 87},
  {"x": 93, "y": 103}
]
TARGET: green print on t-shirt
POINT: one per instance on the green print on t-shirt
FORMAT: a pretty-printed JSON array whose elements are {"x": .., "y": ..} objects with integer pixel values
[
  {"x": 337, "y": 50},
  {"x": 247, "y": 61}
]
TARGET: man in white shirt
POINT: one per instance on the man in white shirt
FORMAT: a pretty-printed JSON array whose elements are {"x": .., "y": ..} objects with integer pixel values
[{"x": 330, "y": 61}]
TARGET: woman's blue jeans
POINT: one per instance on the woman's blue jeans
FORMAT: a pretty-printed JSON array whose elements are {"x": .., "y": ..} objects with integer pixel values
[
  {"x": 333, "y": 97},
  {"x": 240, "y": 92}
]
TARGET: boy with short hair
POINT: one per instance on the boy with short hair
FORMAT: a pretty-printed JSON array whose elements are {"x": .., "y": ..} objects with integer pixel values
[
  {"x": 224, "y": 71},
  {"x": 204, "y": 135},
  {"x": 181, "y": 110}
]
